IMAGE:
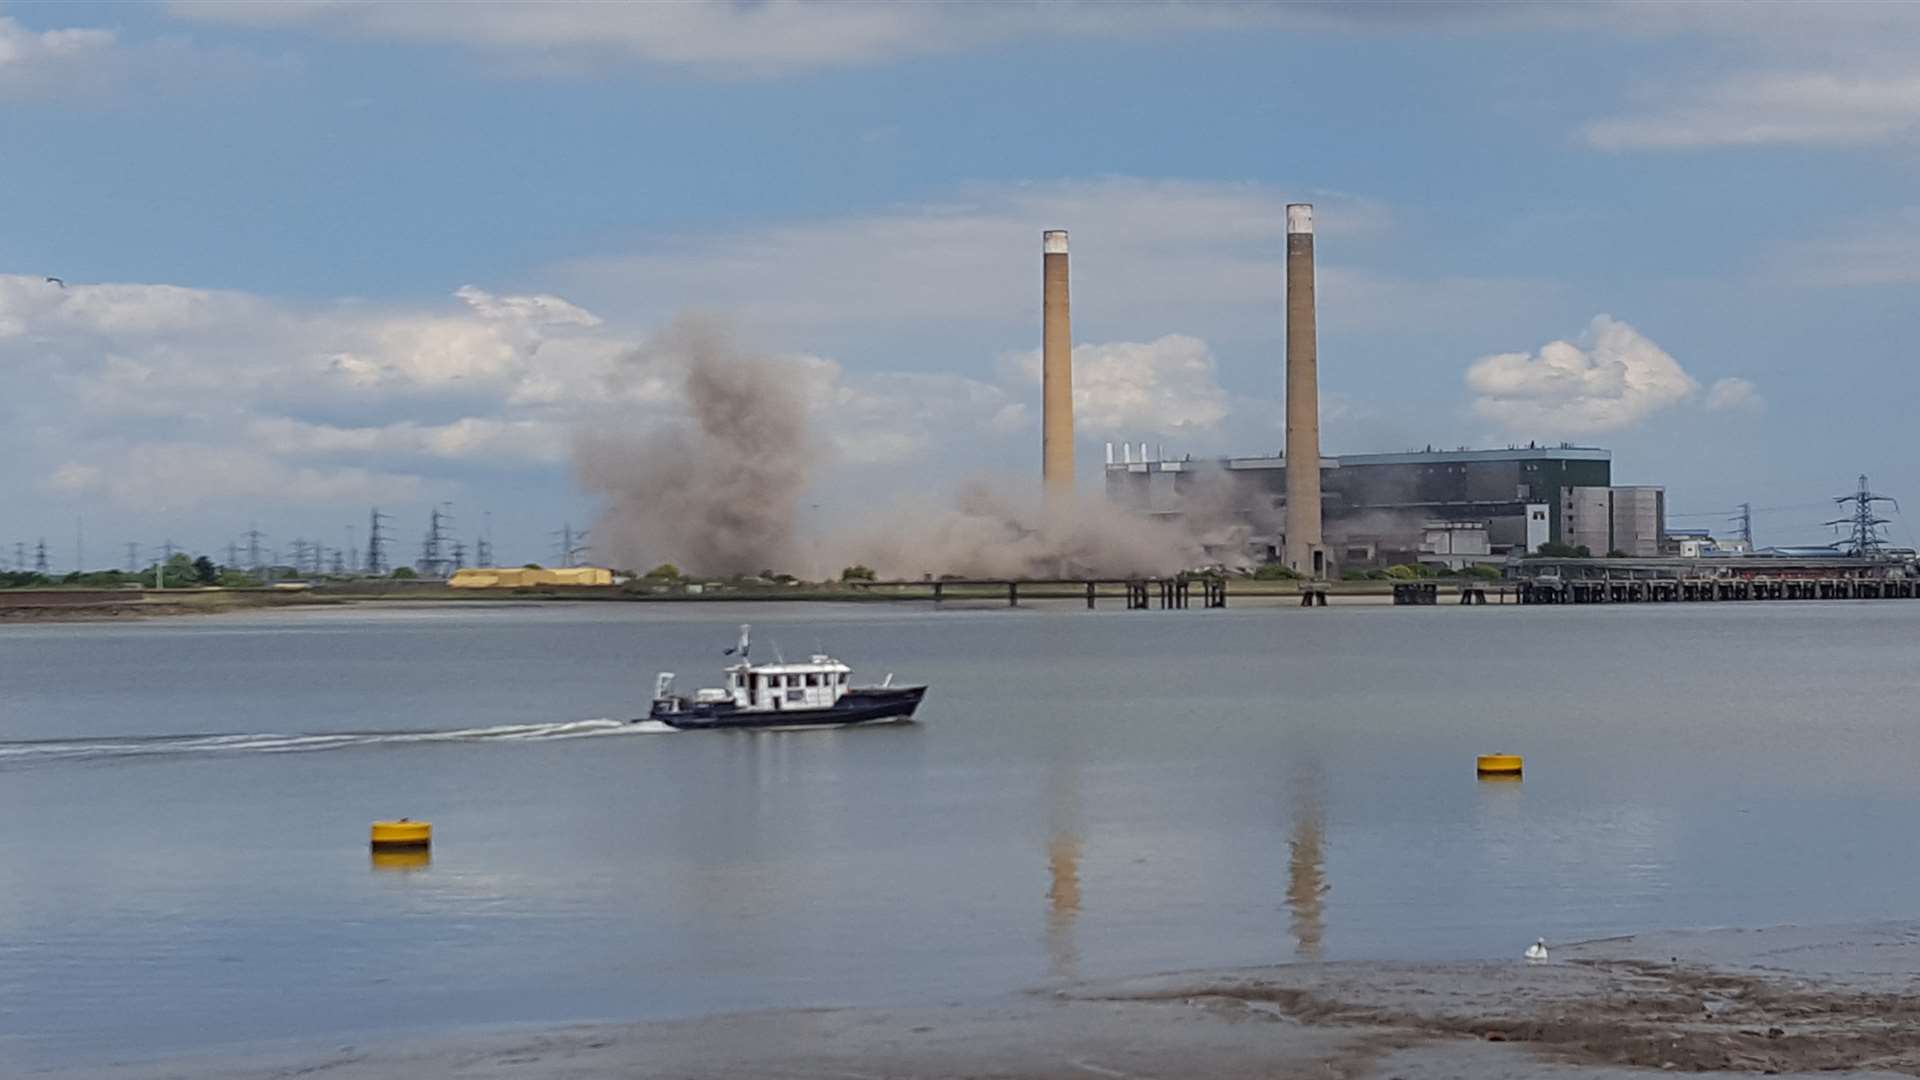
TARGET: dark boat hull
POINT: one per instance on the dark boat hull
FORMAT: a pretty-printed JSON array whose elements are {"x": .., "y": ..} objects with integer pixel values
[{"x": 867, "y": 705}]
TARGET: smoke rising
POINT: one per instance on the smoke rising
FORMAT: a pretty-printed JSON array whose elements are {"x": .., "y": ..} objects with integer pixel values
[{"x": 716, "y": 490}]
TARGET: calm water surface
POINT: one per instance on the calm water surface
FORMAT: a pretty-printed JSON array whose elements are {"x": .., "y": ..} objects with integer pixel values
[{"x": 1089, "y": 795}]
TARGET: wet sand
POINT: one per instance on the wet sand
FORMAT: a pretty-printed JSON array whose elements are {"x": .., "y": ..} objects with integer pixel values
[{"x": 1782, "y": 1001}]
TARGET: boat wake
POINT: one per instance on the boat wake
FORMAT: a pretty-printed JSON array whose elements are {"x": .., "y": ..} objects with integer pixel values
[{"x": 34, "y": 750}]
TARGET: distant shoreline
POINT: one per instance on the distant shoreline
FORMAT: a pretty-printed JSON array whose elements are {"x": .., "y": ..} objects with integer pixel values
[{"x": 93, "y": 605}]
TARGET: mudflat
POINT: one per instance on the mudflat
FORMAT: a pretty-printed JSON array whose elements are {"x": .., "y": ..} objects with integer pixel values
[{"x": 1780, "y": 1001}]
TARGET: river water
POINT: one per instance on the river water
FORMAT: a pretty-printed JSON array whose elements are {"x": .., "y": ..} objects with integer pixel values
[{"x": 184, "y": 805}]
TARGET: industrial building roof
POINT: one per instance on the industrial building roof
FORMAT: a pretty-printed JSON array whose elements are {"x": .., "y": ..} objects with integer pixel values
[
  {"x": 1411, "y": 457},
  {"x": 1525, "y": 453}
]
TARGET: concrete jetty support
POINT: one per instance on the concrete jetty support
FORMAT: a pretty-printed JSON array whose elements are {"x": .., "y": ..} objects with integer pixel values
[
  {"x": 1173, "y": 593},
  {"x": 1714, "y": 589}
]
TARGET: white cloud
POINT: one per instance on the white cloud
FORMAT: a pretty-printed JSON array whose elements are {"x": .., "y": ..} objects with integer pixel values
[
  {"x": 1881, "y": 250},
  {"x": 1166, "y": 386},
  {"x": 1615, "y": 378},
  {"x": 1735, "y": 394},
  {"x": 1147, "y": 255},
  {"x": 171, "y": 477},
  {"x": 502, "y": 442},
  {"x": 1805, "y": 107},
  {"x": 49, "y": 62},
  {"x": 142, "y": 348},
  {"x": 761, "y": 37},
  {"x": 65, "y": 65},
  {"x": 896, "y": 417},
  {"x": 163, "y": 388},
  {"x": 1782, "y": 73},
  {"x": 110, "y": 309},
  {"x": 74, "y": 477},
  {"x": 541, "y": 310},
  {"x": 730, "y": 38},
  {"x": 239, "y": 396}
]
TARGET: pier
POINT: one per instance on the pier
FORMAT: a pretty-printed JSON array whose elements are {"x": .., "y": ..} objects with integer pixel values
[
  {"x": 1651, "y": 581},
  {"x": 1172, "y": 593}
]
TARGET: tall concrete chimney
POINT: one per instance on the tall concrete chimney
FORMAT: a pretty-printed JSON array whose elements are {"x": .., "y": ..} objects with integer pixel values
[
  {"x": 1056, "y": 369},
  {"x": 1305, "y": 551}
]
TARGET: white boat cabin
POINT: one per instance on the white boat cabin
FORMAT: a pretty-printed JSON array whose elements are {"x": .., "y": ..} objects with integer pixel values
[{"x": 816, "y": 684}]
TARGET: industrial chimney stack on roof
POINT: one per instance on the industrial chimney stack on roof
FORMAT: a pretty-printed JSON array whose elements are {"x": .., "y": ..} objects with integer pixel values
[
  {"x": 1056, "y": 370},
  {"x": 1305, "y": 551}
]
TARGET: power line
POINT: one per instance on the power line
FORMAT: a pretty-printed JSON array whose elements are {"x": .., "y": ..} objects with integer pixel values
[
  {"x": 1748, "y": 508},
  {"x": 571, "y": 545},
  {"x": 1867, "y": 539},
  {"x": 377, "y": 543},
  {"x": 483, "y": 547},
  {"x": 254, "y": 536},
  {"x": 433, "y": 550}
]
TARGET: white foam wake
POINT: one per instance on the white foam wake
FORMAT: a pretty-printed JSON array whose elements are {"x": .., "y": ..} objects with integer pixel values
[{"x": 272, "y": 743}]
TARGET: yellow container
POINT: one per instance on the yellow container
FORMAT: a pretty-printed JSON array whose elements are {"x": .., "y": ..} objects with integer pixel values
[
  {"x": 404, "y": 833},
  {"x": 1497, "y": 765}
]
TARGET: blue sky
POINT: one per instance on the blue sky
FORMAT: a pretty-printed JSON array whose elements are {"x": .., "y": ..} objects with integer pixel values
[{"x": 320, "y": 255}]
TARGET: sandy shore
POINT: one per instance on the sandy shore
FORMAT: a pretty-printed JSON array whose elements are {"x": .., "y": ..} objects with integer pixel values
[{"x": 1781, "y": 1001}]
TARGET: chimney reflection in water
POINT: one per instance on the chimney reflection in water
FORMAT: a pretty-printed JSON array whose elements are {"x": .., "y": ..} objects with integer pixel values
[
  {"x": 1306, "y": 864},
  {"x": 1063, "y": 878}
]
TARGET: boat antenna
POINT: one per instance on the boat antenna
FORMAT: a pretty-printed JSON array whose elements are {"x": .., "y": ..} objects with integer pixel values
[{"x": 746, "y": 643}]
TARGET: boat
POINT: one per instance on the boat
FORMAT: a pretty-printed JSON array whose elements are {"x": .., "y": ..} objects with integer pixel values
[{"x": 784, "y": 696}]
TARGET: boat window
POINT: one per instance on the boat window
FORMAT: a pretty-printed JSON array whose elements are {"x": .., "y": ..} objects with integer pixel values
[
  {"x": 773, "y": 681},
  {"x": 813, "y": 680}
]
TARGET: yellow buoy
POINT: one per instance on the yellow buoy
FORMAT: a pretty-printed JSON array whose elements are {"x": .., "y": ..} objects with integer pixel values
[
  {"x": 402, "y": 858},
  {"x": 404, "y": 833},
  {"x": 1497, "y": 765}
]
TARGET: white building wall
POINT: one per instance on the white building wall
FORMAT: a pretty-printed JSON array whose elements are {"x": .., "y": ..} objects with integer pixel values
[
  {"x": 1539, "y": 526},
  {"x": 1587, "y": 518},
  {"x": 1639, "y": 521}
]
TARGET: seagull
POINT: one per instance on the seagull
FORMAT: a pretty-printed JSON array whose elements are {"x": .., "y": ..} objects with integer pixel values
[
  {"x": 1537, "y": 950},
  {"x": 56, "y": 281}
]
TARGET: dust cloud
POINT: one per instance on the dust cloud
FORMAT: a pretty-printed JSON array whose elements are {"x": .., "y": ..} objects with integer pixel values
[
  {"x": 716, "y": 489},
  {"x": 986, "y": 533}
]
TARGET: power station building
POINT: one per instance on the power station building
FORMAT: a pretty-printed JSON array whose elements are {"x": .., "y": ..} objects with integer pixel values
[{"x": 1447, "y": 506}]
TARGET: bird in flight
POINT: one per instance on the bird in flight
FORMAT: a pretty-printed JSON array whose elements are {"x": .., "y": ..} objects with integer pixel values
[{"x": 56, "y": 281}]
